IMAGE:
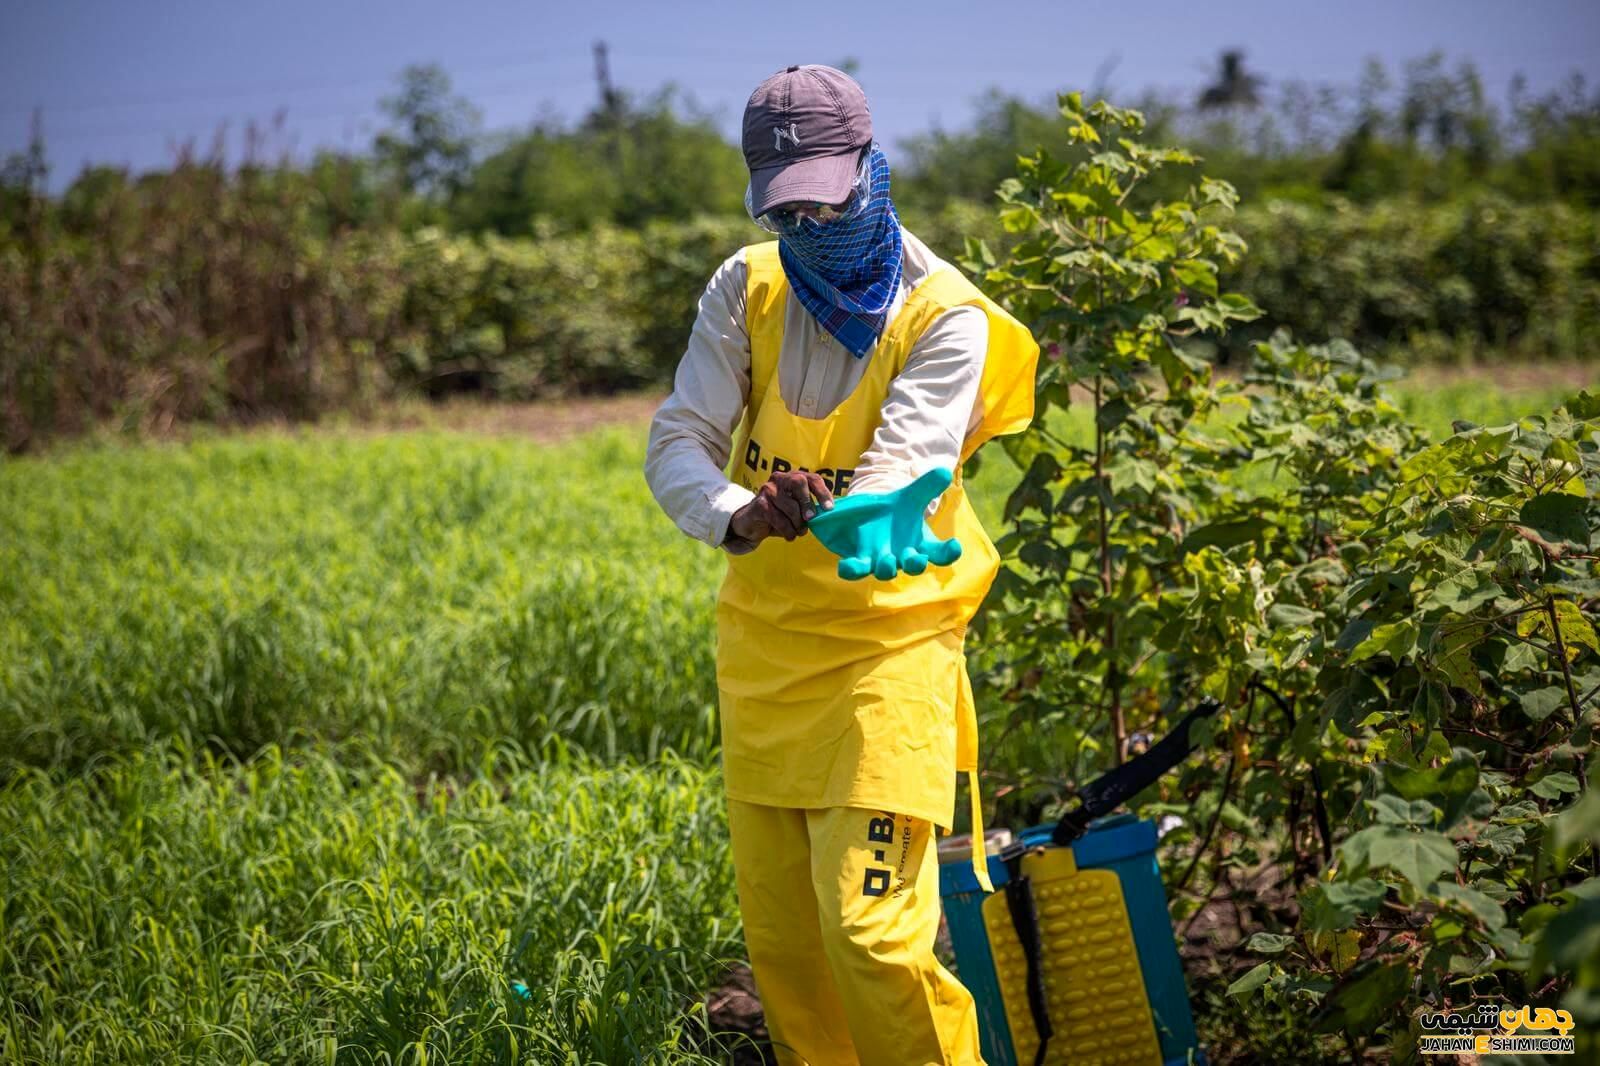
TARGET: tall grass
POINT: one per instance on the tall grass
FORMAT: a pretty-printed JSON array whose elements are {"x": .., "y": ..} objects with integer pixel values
[
  {"x": 429, "y": 594},
  {"x": 341, "y": 907}
]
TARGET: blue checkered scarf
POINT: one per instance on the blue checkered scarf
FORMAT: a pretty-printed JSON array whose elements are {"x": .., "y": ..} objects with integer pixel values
[{"x": 846, "y": 273}]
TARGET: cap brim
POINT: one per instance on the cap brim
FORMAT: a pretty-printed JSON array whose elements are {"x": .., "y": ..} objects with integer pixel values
[{"x": 824, "y": 180}]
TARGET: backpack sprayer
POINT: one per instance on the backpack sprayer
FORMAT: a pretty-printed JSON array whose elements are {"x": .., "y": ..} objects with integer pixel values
[{"x": 1072, "y": 958}]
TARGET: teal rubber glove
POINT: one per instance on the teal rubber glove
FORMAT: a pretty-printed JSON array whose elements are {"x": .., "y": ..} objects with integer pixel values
[{"x": 882, "y": 533}]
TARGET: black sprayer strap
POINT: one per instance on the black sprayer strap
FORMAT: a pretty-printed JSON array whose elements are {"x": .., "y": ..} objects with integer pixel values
[
  {"x": 1112, "y": 788},
  {"x": 1025, "y": 920}
]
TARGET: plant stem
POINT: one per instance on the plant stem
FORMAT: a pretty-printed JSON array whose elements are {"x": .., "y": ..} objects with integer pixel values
[
  {"x": 1566, "y": 674},
  {"x": 1561, "y": 657},
  {"x": 1320, "y": 807},
  {"x": 1216, "y": 817}
]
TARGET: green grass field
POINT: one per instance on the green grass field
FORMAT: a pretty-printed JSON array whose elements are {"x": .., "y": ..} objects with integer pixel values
[{"x": 472, "y": 681}]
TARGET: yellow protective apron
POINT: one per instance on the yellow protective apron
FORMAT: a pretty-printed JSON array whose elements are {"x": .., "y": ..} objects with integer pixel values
[{"x": 855, "y": 693}]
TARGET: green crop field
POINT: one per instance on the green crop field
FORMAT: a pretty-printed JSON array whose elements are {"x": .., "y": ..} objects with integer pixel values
[{"x": 470, "y": 680}]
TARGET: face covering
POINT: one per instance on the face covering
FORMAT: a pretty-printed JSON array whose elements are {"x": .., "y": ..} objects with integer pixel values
[{"x": 845, "y": 272}]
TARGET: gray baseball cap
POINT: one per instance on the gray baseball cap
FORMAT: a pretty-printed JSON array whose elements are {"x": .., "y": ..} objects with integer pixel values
[{"x": 804, "y": 129}]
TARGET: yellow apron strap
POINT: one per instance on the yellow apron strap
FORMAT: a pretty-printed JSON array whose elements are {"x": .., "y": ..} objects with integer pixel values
[
  {"x": 980, "y": 858},
  {"x": 766, "y": 290},
  {"x": 1006, "y": 391}
]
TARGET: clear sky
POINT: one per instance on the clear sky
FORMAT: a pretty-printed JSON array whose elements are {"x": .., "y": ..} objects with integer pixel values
[{"x": 124, "y": 81}]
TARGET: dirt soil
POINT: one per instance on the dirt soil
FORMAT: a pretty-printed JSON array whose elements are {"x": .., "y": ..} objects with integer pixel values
[
  {"x": 544, "y": 421},
  {"x": 547, "y": 421}
]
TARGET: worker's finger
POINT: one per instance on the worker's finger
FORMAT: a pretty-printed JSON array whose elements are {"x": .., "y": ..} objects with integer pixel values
[
  {"x": 819, "y": 489},
  {"x": 778, "y": 523},
  {"x": 784, "y": 512},
  {"x": 792, "y": 500}
]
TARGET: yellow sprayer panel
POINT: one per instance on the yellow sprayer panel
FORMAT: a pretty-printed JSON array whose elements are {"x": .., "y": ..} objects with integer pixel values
[{"x": 1092, "y": 982}]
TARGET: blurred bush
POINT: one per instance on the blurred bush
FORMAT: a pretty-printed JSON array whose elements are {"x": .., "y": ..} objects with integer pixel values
[
  {"x": 1482, "y": 277},
  {"x": 197, "y": 296},
  {"x": 192, "y": 295}
]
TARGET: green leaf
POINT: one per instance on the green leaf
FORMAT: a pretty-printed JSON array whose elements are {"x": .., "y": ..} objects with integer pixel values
[
  {"x": 1289, "y": 615},
  {"x": 1507, "y": 941},
  {"x": 1127, "y": 471},
  {"x": 1332, "y": 905},
  {"x": 1238, "y": 306},
  {"x": 1558, "y": 516},
  {"x": 1517, "y": 812},
  {"x": 1043, "y": 555},
  {"x": 1339, "y": 950},
  {"x": 1503, "y": 840},
  {"x": 1344, "y": 704},
  {"x": 1269, "y": 943},
  {"x": 1551, "y": 786},
  {"x": 1366, "y": 1000},
  {"x": 1445, "y": 927},
  {"x": 1463, "y": 592},
  {"x": 1432, "y": 702},
  {"x": 1576, "y": 630},
  {"x": 1223, "y": 534},
  {"x": 1198, "y": 275},
  {"x": 1396, "y": 639},
  {"x": 1113, "y": 413},
  {"x": 1454, "y": 660},
  {"x": 1451, "y": 781},
  {"x": 1570, "y": 940},
  {"x": 1018, "y": 218},
  {"x": 1542, "y": 703},
  {"x": 1392, "y": 810},
  {"x": 1585, "y": 405},
  {"x": 1322, "y": 570},
  {"x": 1418, "y": 857},
  {"x": 1470, "y": 901},
  {"x": 1252, "y": 980},
  {"x": 1362, "y": 892},
  {"x": 1022, "y": 447},
  {"x": 1354, "y": 634},
  {"x": 1581, "y": 821}
]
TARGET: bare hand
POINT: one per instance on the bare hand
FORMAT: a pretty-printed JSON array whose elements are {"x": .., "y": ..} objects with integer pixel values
[{"x": 782, "y": 507}]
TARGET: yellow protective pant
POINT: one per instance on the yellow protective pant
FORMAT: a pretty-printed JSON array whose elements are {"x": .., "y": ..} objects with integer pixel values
[{"x": 841, "y": 908}]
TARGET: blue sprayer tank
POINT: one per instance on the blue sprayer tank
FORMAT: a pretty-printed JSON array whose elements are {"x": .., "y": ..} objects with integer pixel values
[{"x": 1115, "y": 984}]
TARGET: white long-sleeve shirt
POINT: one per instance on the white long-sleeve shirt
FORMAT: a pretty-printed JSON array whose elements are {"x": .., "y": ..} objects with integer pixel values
[{"x": 929, "y": 410}]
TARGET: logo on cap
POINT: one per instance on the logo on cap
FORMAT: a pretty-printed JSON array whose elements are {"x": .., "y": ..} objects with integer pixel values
[{"x": 779, "y": 133}]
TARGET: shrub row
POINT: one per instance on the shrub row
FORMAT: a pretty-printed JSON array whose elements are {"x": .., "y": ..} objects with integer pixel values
[
  {"x": 1478, "y": 278},
  {"x": 239, "y": 312}
]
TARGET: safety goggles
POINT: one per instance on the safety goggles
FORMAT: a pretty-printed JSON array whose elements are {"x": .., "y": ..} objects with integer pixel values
[{"x": 787, "y": 219}]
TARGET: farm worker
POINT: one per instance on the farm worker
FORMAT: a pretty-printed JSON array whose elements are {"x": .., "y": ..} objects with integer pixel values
[{"x": 843, "y": 357}]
